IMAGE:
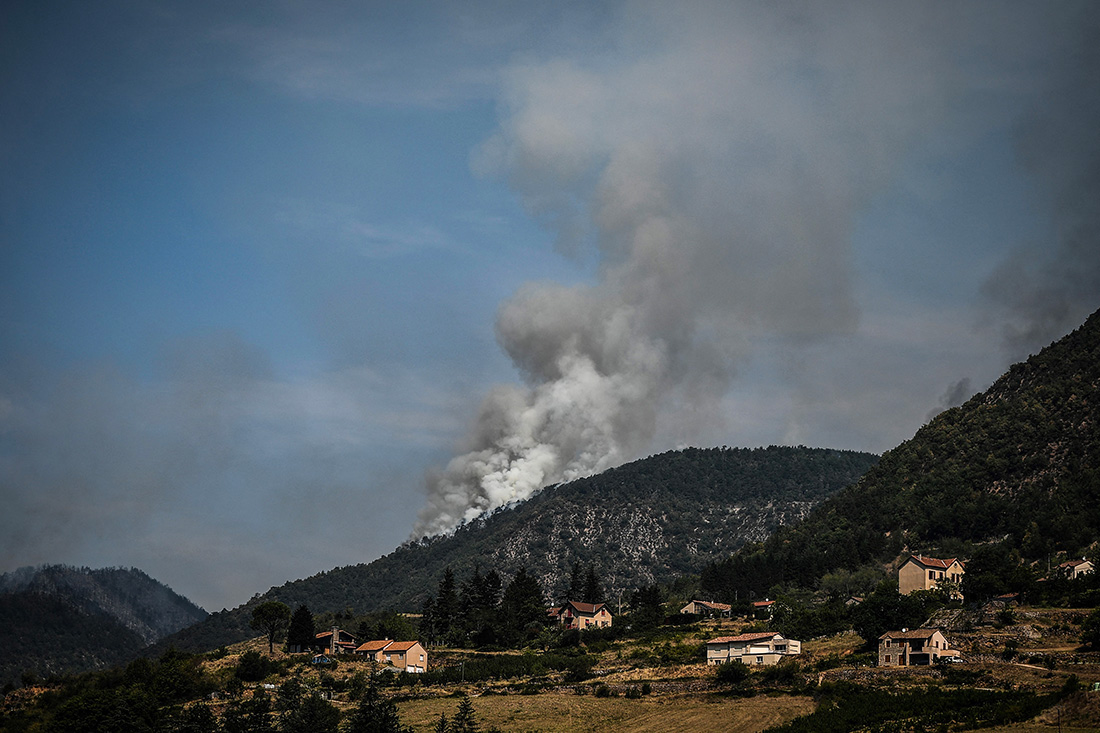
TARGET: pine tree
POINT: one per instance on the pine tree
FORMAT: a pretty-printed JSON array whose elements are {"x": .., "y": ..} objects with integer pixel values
[
  {"x": 575, "y": 591},
  {"x": 375, "y": 714},
  {"x": 301, "y": 634},
  {"x": 464, "y": 720},
  {"x": 593, "y": 588},
  {"x": 523, "y": 609},
  {"x": 446, "y": 606}
]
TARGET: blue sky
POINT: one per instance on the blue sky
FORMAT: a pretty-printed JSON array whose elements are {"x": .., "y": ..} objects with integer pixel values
[{"x": 283, "y": 285}]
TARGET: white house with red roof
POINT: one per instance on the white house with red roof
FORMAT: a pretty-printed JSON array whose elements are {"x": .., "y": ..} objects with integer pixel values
[
  {"x": 754, "y": 649},
  {"x": 578, "y": 615},
  {"x": 1075, "y": 568},
  {"x": 921, "y": 572}
]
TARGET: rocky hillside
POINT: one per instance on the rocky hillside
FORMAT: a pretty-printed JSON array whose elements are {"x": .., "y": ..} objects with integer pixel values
[
  {"x": 62, "y": 619},
  {"x": 1016, "y": 468},
  {"x": 650, "y": 520}
]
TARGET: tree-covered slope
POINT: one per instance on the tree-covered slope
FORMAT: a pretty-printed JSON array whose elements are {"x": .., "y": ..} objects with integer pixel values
[
  {"x": 1019, "y": 463},
  {"x": 60, "y": 619},
  {"x": 646, "y": 521}
]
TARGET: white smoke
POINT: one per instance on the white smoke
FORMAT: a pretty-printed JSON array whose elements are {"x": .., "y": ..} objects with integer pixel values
[{"x": 714, "y": 159}]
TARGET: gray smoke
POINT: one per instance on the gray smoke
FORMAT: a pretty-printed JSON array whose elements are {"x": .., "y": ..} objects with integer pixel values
[
  {"x": 713, "y": 161},
  {"x": 1046, "y": 287}
]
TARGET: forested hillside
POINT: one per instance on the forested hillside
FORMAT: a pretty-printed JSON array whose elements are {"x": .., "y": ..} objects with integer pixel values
[
  {"x": 57, "y": 618},
  {"x": 648, "y": 521},
  {"x": 1011, "y": 477}
]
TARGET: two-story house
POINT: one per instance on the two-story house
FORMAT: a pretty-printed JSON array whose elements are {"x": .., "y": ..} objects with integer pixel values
[
  {"x": 920, "y": 572},
  {"x": 409, "y": 656},
  {"x": 754, "y": 649},
  {"x": 907, "y": 648},
  {"x": 578, "y": 615}
]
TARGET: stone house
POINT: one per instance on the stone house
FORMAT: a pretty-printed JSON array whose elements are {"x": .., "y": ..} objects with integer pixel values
[{"x": 907, "y": 648}]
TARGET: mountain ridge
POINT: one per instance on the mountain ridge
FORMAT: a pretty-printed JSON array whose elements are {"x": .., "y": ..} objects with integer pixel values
[
  {"x": 58, "y": 618},
  {"x": 1016, "y": 466},
  {"x": 646, "y": 521}
]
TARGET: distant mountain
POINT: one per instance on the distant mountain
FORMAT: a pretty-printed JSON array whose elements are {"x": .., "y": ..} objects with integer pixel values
[
  {"x": 1017, "y": 465},
  {"x": 646, "y": 521},
  {"x": 57, "y": 618}
]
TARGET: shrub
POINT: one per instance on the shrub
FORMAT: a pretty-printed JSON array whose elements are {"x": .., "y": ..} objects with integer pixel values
[
  {"x": 253, "y": 667},
  {"x": 731, "y": 673}
]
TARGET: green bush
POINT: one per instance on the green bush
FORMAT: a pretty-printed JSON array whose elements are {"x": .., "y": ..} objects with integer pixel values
[{"x": 731, "y": 673}]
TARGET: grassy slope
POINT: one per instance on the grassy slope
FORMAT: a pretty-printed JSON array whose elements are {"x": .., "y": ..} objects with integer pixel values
[{"x": 568, "y": 713}]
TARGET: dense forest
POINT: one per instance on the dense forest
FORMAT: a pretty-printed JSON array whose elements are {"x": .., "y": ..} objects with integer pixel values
[
  {"x": 1007, "y": 480},
  {"x": 650, "y": 521},
  {"x": 59, "y": 618}
]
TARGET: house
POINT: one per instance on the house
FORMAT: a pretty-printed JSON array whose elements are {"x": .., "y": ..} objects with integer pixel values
[
  {"x": 755, "y": 649},
  {"x": 907, "y": 648},
  {"x": 926, "y": 573},
  {"x": 1075, "y": 568},
  {"x": 578, "y": 615},
  {"x": 336, "y": 641},
  {"x": 409, "y": 656},
  {"x": 763, "y": 609},
  {"x": 707, "y": 608}
]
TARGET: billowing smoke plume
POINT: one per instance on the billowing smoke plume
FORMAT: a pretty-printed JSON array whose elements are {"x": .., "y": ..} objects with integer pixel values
[{"x": 714, "y": 161}]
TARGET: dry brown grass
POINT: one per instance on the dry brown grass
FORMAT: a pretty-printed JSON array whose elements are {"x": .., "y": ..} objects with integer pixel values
[{"x": 565, "y": 712}]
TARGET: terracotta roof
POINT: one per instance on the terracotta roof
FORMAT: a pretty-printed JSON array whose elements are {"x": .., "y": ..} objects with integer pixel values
[
  {"x": 402, "y": 646},
  {"x": 914, "y": 634},
  {"x": 761, "y": 604},
  {"x": 933, "y": 562},
  {"x": 592, "y": 608},
  {"x": 1072, "y": 563},
  {"x": 712, "y": 604},
  {"x": 374, "y": 646},
  {"x": 756, "y": 636}
]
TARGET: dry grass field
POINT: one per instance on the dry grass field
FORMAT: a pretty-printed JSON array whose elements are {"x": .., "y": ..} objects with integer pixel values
[{"x": 566, "y": 712}]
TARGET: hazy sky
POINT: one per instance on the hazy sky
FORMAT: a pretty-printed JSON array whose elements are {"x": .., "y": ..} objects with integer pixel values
[{"x": 284, "y": 283}]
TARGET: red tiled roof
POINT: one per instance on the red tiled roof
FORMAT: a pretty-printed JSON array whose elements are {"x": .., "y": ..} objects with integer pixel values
[
  {"x": 756, "y": 636},
  {"x": 712, "y": 604},
  {"x": 762, "y": 604},
  {"x": 592, "y": 608},
  {"x": 1072, "y": 563},
  {"x": 374, "y": 646},
  {"x": 933, "y": 562},
  {"x": 401, "y": 646}
]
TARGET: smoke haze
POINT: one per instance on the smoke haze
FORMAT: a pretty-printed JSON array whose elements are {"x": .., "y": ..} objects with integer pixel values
[{"x": 714, "y": 163}]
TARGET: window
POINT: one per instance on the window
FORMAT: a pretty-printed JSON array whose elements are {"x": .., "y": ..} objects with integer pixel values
[
  {"x": 887, "y": 659},
  {"x": 887, "y": 644},
  {"x": 760, "y": 660},
  {"x": 931, "y": 574}
]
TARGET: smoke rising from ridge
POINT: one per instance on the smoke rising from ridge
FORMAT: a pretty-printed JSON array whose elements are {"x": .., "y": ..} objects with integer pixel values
[{"x": 714, "y": 162}]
